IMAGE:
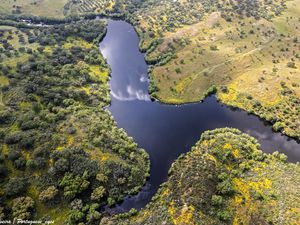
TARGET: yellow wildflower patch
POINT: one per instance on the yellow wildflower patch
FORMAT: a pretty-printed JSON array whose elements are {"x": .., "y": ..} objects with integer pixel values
[
  {"x": 235, "y": 153},
  {"x": 211, "y": 157},
  {"x": 104, "y": 157},
  {"x": 70, "y": 140},
  {"x": 95, "y": 71},
  {"x": 165, "y": 192},
  {"x": 87, "y": 90},
  {"x": 258, "y": 186},
  {"x": 227, "y": 146},
  {"x": 185, "y": 215},
  {"x": 183, "y": 84},
  {"x": 59, "y": 148},
  {"x": 245, "y": 205},
  {"x": 230, "y": 96}
]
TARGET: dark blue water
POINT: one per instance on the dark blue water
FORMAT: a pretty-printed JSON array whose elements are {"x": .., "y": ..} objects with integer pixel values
[{"x": 166, "y": 131}]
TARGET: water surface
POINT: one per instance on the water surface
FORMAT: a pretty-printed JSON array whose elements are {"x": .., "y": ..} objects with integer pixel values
[{"x": 166, "y": 131}]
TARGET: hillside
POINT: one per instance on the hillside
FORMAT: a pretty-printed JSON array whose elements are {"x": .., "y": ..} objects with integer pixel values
[
  {"x": 224, "y": 179},
  {"x": 62, "y": 156},
  {"x": 248, "y": 52}
]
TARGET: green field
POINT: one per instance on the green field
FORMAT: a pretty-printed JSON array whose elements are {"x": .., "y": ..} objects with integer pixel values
[{"x": 47, "y": 8}]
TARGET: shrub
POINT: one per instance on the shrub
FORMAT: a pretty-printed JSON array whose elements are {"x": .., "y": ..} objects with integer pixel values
[
  {"x": 213, "y": 47},
  {"x": 216, "y": 200},
  {"x": 73, "y": 185},
  {"x": 225, "y": 187},
  {"x": 224, "y": 215},
  {"x": 278, "y": 126},
  {"x": 48, "y": 194},
  {"x": 15, "y": 186},
  {"x": 291, "y": 65},
  {"x": 98, "y": 193},
  {"x": 22, "y": 208},
  {"x": 178, "y": 70}
]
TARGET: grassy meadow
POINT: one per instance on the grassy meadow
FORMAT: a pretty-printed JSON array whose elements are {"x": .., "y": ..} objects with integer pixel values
[
  {"x": 251, "y": 61},
  {"x": 217, "y": 52},
  {"x": 46, "y": 8}
]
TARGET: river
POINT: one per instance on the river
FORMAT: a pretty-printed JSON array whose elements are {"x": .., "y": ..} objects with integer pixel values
[{"x": 166, "y": 131}]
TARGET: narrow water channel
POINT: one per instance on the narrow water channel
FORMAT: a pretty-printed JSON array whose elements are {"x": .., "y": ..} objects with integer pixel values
[{"x": 166, "y": 131}]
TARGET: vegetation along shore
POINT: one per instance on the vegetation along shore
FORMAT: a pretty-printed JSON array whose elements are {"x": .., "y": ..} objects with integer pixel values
[{"x": 63, "y": 158}]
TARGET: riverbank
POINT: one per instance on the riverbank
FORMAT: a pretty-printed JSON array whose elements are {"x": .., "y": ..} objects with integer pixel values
[
  {"x": 224, "y": 179},
  {"x": 167, "y": 131}
]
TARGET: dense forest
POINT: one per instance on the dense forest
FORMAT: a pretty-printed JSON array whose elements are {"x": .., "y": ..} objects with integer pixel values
[{"x": 62, "y": 156}]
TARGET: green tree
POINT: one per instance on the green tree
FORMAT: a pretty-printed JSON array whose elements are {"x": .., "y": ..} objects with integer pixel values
[
  {"x": 48, "y": 194},
  {"x": 22, "y": 208},
  {"x": 73, "y": 185},
  {"x": 98, "y": 193},
  {"x": 216, "y": 200}
]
